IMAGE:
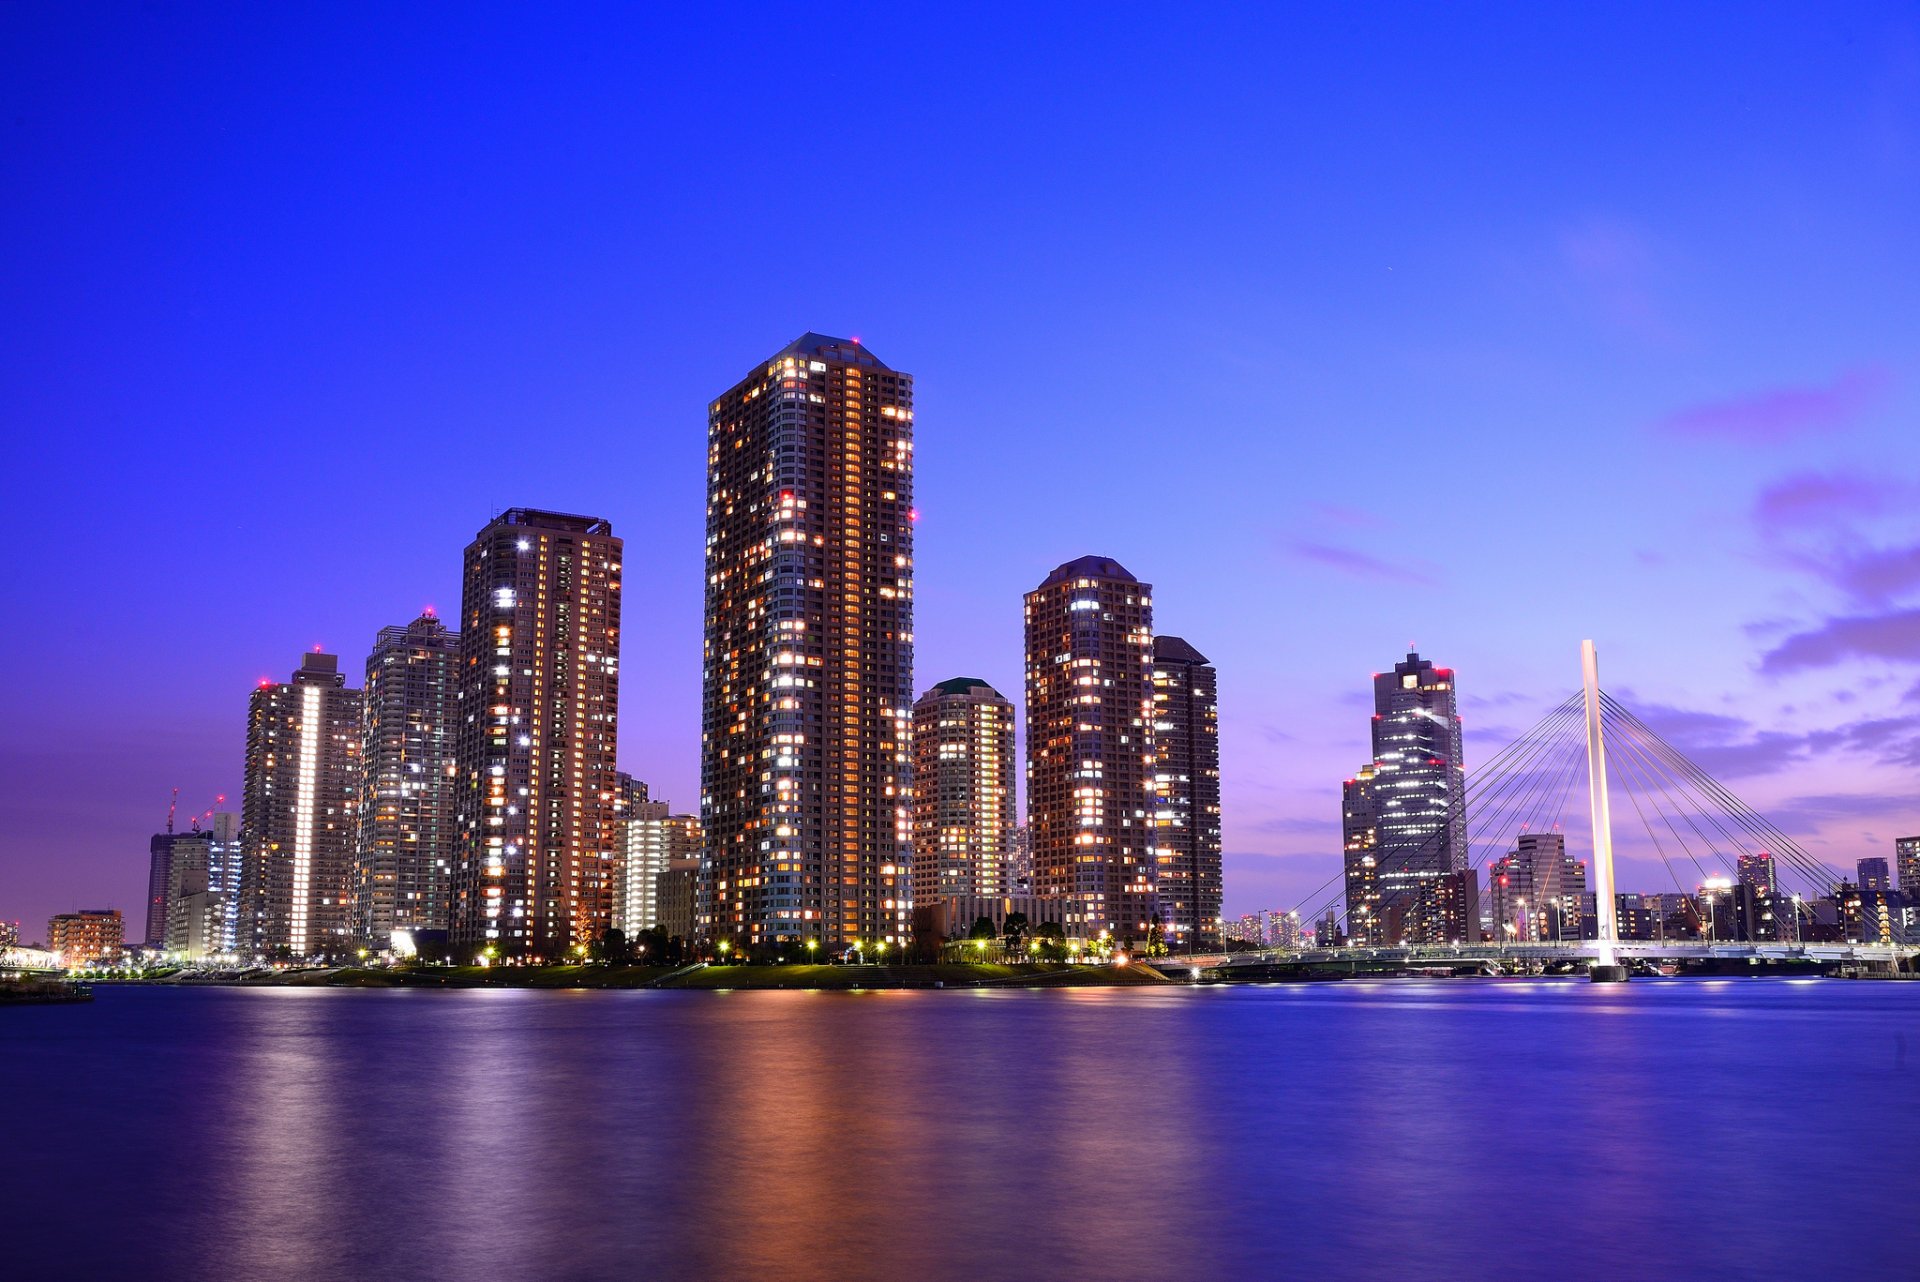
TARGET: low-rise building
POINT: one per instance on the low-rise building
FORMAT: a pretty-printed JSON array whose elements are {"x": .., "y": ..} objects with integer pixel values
[{"x": 87, "y": 937}]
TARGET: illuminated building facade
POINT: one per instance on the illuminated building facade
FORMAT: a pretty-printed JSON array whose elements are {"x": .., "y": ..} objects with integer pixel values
[
  {"x": 403, "y": 851},
  {"x": 90, "y": 936},
  {"x": 1417, "y": 800},
  {"x": 203, "y": 868},
  {"x": 1536, "y": 892},
  {"x": 806, "y": 721},
  {"x": 297, "y": 814},
  {"x": 1360, "y": 838},
  {"x": 535, "y": 794},
  {"x": 963, "y": 803},
  {"x": 1186, "y": 783},
  {"x": 1906, "y": 858},
  {"x": 655, "y": 840},
  {"x": 1089, "y": 650}
]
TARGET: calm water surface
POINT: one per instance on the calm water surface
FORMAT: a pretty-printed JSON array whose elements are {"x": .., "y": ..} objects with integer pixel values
[{"x": 1725, "y": 1129}]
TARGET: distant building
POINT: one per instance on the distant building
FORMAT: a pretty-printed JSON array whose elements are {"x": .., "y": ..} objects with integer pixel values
[
  {"x": 953, "y": 916},
  {"x": 674, "y": 893},
  {"x": 9, "y": 935},
  {"x": 1020, "y": 861},
  {"x": 87, "y": 937},
  {"x": 1873, "y": 874},
  {"x": 1758, "y": 871},
  {"x": 1248, "y": 928},
  {"x": 963, "y": 791},
  {"x": 297, "y": 815},
  {"x": 537, "y": 831},
  {"x": 1536, "y": 893},
  {"x": 1906, "y": 853},
  {"x": 203, "y": 880},
  {"x": 404, "y": 842},
  {"x": 1186, "y": 785},
  {"x": 1360, "y": 832},
  {"x": 1089, "y": 648},
  {"x": 159, "y": 875},
  {"x": 1415, "y": 801},
  {"x": 1457, "y": 906},
  {"x": 656, "y": 839}
]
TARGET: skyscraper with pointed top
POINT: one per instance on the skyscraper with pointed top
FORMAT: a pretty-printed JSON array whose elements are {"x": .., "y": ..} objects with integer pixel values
[{"x": 807, "y": 707}]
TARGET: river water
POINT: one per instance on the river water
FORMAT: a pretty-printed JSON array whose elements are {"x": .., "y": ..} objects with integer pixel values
[{"x": 1405, "y": 1130}]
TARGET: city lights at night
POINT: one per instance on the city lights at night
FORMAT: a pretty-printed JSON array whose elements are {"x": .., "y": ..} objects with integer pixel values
[{"x": 1088, "y": 643}]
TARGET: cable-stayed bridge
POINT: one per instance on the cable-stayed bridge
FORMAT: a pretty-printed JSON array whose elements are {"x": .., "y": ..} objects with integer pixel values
[{"x": 1695, "y": 827}]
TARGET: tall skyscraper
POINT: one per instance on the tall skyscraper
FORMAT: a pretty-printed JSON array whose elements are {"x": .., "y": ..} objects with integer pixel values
[
  {"x": 1906, "y": 855},
  {"x": 535, "y": 795},
  {"x": 1090, "y": 717},
  {"x": 297, "y": 816},
  {"x": 963, "y": 803},
  {"x": 806, "y": 723},
  {"x": 1418, "y": 800},
  {"x": 1186, "y": 774},
  {"x": 1360, "y": 840},
  {"x": 403, "y": 853},
  {"x": 159, "y": 877}
]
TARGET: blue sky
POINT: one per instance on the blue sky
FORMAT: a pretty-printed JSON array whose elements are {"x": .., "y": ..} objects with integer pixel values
[{"x": 1487, "y": 328}]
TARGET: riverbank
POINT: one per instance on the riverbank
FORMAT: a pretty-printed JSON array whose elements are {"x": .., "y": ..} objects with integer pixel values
[
  {"x": 39, "y": 992},
  {"x": 941, "y": 975}
]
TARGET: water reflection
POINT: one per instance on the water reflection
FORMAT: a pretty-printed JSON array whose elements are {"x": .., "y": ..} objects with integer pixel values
[{"x": 1354, "y": 1130}]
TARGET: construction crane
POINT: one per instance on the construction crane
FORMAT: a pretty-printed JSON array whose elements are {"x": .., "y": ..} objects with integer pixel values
[{"x": 171, "y": 807}]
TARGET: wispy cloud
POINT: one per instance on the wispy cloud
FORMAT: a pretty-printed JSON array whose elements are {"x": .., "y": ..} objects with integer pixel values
[
  {"x": 1782, "y": 413},
  {"x": 1351, "y": 517},
  {"x": 1808, "y": 498},
  {"x": 1362, "y": 565},
  {"x": 1893, "y": 636}
]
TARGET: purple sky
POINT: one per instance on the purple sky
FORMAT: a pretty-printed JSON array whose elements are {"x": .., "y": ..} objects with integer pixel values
[{"x": 1486, "y": 329}]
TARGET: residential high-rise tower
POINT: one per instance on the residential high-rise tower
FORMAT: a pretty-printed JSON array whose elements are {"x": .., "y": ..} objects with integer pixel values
[
  {"x": 535, "y": 794},
  {"x": 1089, "y": 644},
  {"x": 1186, "y": 772},
  {"x": 806, "y": 720},
  {"x": 297, "y": 815},
  {"x": 403, "y": 853},
  {"x": 963, "y": 802}
]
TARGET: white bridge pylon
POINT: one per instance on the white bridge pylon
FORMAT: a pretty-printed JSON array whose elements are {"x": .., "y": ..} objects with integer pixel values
[{"x": 1605, "y": 907}]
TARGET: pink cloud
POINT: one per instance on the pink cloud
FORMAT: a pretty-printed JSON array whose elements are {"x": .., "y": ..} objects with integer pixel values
[
  {"x": 1782, "y": 413},
  {"x": 1894, "y": 636}
]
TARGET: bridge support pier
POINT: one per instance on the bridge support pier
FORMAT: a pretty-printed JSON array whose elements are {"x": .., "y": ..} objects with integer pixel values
[{"x": 1601, "y": 973}]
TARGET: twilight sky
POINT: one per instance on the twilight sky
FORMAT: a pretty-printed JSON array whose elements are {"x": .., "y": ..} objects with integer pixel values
[{"x": 1484, "y": 327}]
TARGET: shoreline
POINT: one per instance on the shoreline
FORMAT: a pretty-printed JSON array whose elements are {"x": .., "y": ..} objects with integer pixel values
[{"x": 949, "y": 975}]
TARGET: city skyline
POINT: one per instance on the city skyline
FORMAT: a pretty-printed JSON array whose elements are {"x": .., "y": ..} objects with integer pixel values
[{"x": 1722, "y": 424}]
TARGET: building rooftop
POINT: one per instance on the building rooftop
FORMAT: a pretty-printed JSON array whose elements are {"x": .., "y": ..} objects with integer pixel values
[
  {"x": 824, "y": 347},
  {"x": 564, "y": 521},
  {"x": 963, "y": 685},
  {"x": 1089, "y": 567},
  {"x": 1175, "y": 650}
]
